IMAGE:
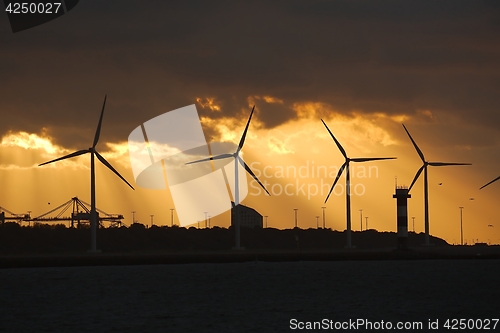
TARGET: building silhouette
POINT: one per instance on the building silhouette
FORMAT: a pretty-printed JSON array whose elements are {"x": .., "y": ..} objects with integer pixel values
[{"x": 248, "y": 216}]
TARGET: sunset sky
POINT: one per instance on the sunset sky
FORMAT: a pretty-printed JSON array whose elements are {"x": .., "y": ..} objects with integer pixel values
[{"x": 364, "y": 67}]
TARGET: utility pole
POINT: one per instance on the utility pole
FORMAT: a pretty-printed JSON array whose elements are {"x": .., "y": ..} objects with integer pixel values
[
  {"x": 171, "y": 217},
  {"x": 266, "y": 220},
  {"x": 361, "y": 220},
  {"x": 296, "y": 222},
  {"x": 317, "y": 223},
  {"x": 324, "y": 223},
  {"x": 461, "y": 228},
  {"x": 152, "y": 220},
  {"x": 413, "y": 218},
  {"x": 366, "y": 224},
  {"x": 133, "y": 216},
  {"x": 206, "y": 220}
]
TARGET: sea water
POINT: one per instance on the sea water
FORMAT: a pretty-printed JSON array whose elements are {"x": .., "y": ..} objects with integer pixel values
[{"x": 247, "y": 297}]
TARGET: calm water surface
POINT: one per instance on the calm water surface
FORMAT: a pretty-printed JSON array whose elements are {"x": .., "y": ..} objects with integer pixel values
[{"x": 244, "y": 297}]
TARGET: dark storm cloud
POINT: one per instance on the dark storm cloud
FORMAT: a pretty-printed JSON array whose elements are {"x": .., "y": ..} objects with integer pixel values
[{"x": 390, "y": 56}]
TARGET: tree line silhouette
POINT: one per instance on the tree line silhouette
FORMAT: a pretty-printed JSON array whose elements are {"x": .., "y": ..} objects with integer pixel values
[{"x": 57, "y": 238}]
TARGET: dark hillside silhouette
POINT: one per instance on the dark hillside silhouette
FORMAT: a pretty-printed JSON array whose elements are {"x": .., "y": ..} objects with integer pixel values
[{"x": 44, "y": 238}]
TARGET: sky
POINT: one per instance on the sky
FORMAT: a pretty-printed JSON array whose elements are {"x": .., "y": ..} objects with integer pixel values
[{"x": 364, "y": 67}]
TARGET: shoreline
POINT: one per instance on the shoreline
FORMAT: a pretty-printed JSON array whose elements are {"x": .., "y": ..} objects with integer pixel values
[{"x": 235, "y": 256}]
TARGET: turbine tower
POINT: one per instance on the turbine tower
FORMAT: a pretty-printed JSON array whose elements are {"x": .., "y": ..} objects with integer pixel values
[
  {"x": 237, "y": 159},
  {"x": 426, "y": 183},
  {"x": 348, "y": 181},
  {"x": 93, "y": 152}
]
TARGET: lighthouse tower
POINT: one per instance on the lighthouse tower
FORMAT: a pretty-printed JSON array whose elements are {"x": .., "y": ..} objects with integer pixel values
[{"x": 401, "y": 197}]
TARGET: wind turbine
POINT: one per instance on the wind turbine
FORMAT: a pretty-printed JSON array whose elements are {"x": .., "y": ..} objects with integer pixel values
[
  {"x": 426, "y": 183},
  {"x": 237, "y": 158},
  {"x": 348, "y": 181},
  {"x": 93, "y": 152}
]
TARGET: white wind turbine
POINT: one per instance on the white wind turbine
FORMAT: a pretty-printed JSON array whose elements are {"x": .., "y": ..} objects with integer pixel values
[
  {"x": 426, "y": 183},
  {"x": 93, "y": 152},
  {"x": 348, "y": 181},
  {"x": 237, "y": 158}
]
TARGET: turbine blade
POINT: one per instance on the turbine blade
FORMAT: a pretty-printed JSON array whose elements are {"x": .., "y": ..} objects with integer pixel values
[
  {"x": 242, "y": 141},
  {"x": 247, "y": 168},
  {"x": 366, "y": 159},
  {"x": 416, "y": 176},
  {"x": 446, "y": 164},
  {"x": 338, "y": 143},
  {"x": 218, "y": 157},
  {"x": 494, "y": 180},
  {"x": 336, "y": 180},
  {"x": 415, "y": 145},
  {"x": 106, "y": 163},
  {"x": 76, "y": 153},
  {"x": 98, "y": 130}
]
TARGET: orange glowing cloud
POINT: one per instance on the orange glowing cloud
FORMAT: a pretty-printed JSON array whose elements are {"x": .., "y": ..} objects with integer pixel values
[
  {"x": 30, "y": 141},
  {"x": 359, "y": 131},
  {"x": 363, "y": 130},
  {"x": 23, "y": 150},
  {"x": 268, "y": 99},
  {"x": 229, "y": 129},
  {"x": 208, "y": 103}
]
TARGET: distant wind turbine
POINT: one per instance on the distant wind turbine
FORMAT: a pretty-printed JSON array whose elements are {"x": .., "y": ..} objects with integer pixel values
[
  {"x": 237, "y": 158},
  {"x": 93, "y": 152},
  {"x": 348, "y": 181},
  {"x": 426, "y": 184}
]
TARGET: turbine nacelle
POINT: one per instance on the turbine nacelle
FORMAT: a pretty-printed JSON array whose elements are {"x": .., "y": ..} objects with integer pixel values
[
  {"x": 236, "y": 156},
  {"x": 237, "y": 160},
  {"x": 424, "y": 166},
  {"x": 93, "y": 152},
  {"x": 347, "y": 161},
  {"x": 425, "y": 163}
]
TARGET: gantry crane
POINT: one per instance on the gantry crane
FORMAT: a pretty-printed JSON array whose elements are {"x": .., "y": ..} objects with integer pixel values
[
  {"x": 80, "y": 214},
  {"x": 14, "y": 217}
]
